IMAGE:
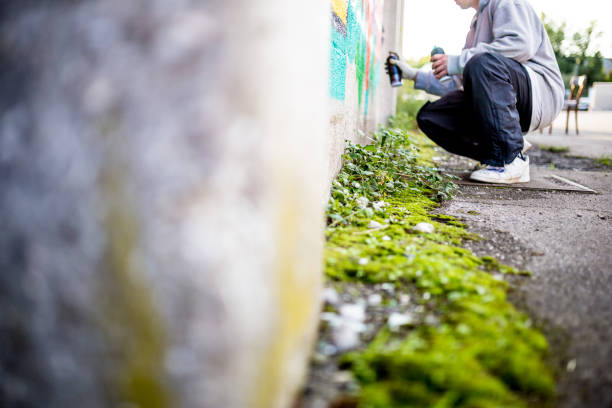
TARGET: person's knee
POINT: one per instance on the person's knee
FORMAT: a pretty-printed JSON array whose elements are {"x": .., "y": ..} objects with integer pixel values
[{"x": 480, "y": 63}]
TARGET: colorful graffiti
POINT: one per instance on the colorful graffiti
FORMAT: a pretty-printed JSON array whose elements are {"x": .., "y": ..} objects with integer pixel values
[{"x": 356, "y": 38}]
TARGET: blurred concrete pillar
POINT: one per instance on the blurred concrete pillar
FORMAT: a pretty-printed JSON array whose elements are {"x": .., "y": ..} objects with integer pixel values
[{"x": 162, "y": 172}]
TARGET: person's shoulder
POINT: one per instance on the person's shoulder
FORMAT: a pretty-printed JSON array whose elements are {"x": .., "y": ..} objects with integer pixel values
[
  {"x": 521, "y": 3},
  {"x": 511, "y": 4}
]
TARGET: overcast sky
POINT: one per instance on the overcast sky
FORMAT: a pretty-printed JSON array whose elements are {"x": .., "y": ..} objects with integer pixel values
[{"x": 443, "y": 23}]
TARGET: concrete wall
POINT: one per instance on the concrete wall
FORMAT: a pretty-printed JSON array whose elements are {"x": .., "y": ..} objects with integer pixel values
[
  {"x": 601, "y": 96},
  {"x": 362, "y": 34},
  {"x": 163, "y": 167}
]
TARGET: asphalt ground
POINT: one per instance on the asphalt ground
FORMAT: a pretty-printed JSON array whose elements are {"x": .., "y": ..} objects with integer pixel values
[{"x": 565, "y": 240}]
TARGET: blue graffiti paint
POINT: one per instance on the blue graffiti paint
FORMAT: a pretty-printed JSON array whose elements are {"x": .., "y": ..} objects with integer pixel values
[{"x": 338, "y": 62}]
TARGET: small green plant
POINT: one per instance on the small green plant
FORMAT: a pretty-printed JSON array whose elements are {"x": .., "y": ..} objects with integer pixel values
[
  {"x": 605, "y": 161},
  {"x": 555, "y": 149},
  {"x": 379, "y": 171}
]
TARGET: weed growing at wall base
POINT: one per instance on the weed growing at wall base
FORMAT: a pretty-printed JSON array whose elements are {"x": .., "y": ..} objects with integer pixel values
[
  {"x": 477, "y": 350},
  {"x": 605, "y": 161}
]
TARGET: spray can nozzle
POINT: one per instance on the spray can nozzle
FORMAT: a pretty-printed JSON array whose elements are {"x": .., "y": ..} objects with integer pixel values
[{"x": 437, "y": 50}]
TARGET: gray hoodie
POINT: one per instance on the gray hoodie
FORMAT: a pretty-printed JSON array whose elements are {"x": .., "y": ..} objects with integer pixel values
[{"x": 510, "y": 28}]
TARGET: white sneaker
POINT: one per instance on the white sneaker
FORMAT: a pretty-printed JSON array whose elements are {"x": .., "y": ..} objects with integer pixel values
[{"x": 515, "y": 172}]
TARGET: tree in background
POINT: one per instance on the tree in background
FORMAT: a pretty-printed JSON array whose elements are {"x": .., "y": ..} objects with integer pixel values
[
  {"x": 556, "y": 34},
  {"x": 579, "y": 57}
]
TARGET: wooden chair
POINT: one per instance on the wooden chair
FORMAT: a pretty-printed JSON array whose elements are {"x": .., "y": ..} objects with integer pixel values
[{"x": 577, "y": 84}]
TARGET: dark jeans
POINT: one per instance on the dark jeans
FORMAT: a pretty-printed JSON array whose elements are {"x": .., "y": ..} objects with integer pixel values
[{"x": 486, "y": 120}]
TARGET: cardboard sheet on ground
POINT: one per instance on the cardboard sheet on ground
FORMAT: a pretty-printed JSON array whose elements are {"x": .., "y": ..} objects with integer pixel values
[{"x": 543, "y": 180}]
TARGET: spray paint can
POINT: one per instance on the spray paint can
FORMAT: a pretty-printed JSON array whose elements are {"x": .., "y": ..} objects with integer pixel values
[
  {"x": 395, "y": 74},
  {"x": 438, "y": 50}
]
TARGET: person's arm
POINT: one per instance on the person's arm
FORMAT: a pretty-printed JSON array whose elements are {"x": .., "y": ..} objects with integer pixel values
[
  {"x": 513, "y": 32},
  {"x": 426, "y": 81},
  {"x": 407, "y": 70}
]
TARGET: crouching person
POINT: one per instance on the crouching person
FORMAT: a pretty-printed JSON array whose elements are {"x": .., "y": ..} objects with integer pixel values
[{"x": 505, "y": 83}]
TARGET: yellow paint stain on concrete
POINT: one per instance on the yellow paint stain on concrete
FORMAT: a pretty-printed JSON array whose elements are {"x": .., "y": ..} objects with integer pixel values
[
  {"x": 298, "y": 308},
  {"x": 132, "y": 323},
  {"x": 340, "y": 8}
]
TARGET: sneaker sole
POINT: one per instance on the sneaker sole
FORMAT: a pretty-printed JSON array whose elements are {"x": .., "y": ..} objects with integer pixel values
[
  {"x": 498, "y": 181},
  {"x": 523, "y": 179}
]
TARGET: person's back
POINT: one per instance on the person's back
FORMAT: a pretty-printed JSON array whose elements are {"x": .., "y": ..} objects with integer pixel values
[{"x": 513, "y": 29}]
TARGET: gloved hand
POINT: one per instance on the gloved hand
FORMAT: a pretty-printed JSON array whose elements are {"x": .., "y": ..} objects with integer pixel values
[{"x": 408, "y": 72}]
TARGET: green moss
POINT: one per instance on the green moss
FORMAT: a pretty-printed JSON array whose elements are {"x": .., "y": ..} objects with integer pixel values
[
  {"x": 483, "y": 352},
  {"x": 555, "y": 149},
  {"x": 605, "y": 161}
]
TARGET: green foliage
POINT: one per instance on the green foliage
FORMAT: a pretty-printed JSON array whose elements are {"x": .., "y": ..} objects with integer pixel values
[
  {"x": 605, "y": 161},
  {"x": 582, "y": 41},
  {"x": 592, "y": 67},
  {"x": 379, "y": 171},
  {"x": 556, "y": 34},
  {"x": 480, "y": 351},
  {"x": 576, "y": 56}
]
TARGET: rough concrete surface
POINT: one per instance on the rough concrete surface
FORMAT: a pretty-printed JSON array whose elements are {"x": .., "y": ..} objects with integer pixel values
[{"x": 565, "y": 240}]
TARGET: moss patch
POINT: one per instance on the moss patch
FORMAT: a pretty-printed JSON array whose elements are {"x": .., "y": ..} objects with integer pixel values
[
  {"x": 555, "y": 149},
  {"x": 605, "y": 161},
  {"x": 481, "y": 352}
]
